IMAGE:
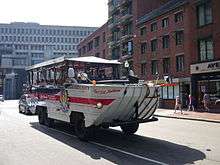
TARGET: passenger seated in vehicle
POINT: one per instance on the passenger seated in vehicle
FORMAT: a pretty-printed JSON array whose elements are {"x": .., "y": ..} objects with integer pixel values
[
  {"x": 43, "y": 82},
  {"x": 102, "y": 76},
  {"x": 71, "y": 76},
  {"x": 82, "y": 77}
]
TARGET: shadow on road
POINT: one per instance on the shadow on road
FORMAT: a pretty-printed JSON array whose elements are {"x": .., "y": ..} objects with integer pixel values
[{"x": 156, "y": 149}]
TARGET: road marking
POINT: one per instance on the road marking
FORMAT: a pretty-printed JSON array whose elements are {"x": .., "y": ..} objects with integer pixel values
[
  {"x": 128, "y": 153},
  {"x": 114, "y": 149}
]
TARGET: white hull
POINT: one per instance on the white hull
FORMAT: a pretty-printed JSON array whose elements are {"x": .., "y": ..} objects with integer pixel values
[{"x": 120, "y": 103}]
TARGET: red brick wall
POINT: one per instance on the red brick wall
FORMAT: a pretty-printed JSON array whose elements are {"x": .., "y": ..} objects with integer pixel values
[
  {"x": 161, "y": 53},
  {"x": 102, "y": 45},
  {"x": 142, "y": 7},
  {"x": 191, "y": 35},
  {"x": 196, "y": 32}
]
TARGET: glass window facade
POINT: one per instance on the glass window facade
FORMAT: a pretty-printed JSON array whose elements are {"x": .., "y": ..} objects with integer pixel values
[
  {"x": 206, "y": 49},
  {"x": 180, "y": 63},
  {"x": 204, "y": 13}
]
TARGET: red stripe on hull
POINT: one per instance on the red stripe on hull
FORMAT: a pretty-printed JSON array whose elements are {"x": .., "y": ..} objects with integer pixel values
[
  {"x": 79, "y": 100},
  {"x": 90, "y": 100}
]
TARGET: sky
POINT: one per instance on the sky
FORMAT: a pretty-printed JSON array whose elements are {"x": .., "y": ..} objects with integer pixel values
[{"x": 92, "y": 13}]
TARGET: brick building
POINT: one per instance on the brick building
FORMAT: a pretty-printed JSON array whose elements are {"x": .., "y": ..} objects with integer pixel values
[
  {"x": 122, "y": 25},
  {"x": 174, "y": 37},
  {"x": 205, "y": 50},
  {"x": 177, "y": 40},
  {"x": 95, "y": 44}
]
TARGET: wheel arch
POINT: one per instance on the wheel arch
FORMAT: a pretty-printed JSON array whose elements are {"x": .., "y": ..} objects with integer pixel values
[{"x": 74, "y": 116}]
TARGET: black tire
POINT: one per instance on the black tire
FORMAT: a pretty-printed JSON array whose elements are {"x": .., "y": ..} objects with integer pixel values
[
  {"x": 41, "y": 117},
  {"x": 81, "y": 131},
  {"x": 48, "y": 121},
  {"x": 129, "y": 129}
]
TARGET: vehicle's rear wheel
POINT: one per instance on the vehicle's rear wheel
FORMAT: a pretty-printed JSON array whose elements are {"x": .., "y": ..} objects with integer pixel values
[
  {"x": 129, "y": 129},
  {"x": 48, "y": 121},
  {"x": 81, "y": 131}
]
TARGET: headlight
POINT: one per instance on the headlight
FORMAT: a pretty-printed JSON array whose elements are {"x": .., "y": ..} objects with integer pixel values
[{"x": 99, "y": 105}]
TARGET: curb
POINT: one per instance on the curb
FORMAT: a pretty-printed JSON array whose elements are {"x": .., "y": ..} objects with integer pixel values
[{"x": 195, "y": 119}]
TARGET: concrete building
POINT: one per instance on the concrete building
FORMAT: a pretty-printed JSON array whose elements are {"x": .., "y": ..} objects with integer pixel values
[
  {"x": 180, "y": 41},
  {"x": 24, "y": 44},
  {"x": 95, "y": 44}
]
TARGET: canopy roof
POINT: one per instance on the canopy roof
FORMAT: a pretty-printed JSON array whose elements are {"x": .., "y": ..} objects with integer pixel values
[
  {"x": 46, "y": 63},
  {"x": 92, "y": 59},
  {"x": 88, "y": 59}
]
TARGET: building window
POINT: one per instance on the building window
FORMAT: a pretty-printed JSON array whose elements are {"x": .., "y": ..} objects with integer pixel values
[
  {"x": 179, "y": 37},
  {"x": 143, "y": 48},
  {"x": 179, "y": 63},
  {"x": 166, "y": 41},
  {"x": 154, "y": 67},
  {"x": 97, "y": 41},
  {"x": 143, "y": 69},
  {"x": 165, "y": 22},
  {"x": 204, "y": 13},
  {"x": 143, "y": 31},
  {"x": 90, "y": 45},
  {"x": 166, "y": 65},
  {"x": 154, "y": 45},
  {"x": 206, "y": 49},
  {"x": 154, "y": 27},
  {"x": 115, "y": 53},
  {"x": 179, "y": 17},
  {"x": 169, "y": 92}
]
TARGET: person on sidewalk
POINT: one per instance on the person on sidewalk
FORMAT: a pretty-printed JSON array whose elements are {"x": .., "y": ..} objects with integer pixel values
[
  {"x": 178, "y": 105},
  {"x": 191, "y": 104},
  {"x": 206, "y": 101}
]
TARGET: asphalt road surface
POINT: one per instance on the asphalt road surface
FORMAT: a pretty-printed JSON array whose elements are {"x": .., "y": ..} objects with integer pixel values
[{"x": 168, "y": 141}]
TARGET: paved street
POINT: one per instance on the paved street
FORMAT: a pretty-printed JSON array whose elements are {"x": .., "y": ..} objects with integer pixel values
[{"x": 169, "y": 141}]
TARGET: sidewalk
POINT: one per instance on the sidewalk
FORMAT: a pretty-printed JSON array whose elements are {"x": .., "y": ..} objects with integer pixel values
[{"x": 189, "y": 115}]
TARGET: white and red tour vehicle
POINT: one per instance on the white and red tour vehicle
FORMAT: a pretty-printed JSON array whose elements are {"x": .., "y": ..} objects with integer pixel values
[{"x": 102, "y": 99}]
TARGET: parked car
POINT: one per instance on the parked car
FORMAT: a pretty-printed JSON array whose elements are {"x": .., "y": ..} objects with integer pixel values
[
  {"x": 1, "y": 98},
  {"x": 27, "y": 104}
]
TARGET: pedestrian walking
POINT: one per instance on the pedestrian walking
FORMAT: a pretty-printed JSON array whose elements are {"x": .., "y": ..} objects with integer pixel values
[
  {"x": 191, "y": 104},
  {"x": 206, "y": 102},
  {"x": 178, "y": 105}
]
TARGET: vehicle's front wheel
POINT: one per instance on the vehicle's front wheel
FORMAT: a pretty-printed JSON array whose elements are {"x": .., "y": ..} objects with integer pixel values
[{"x": 129, "y": 129}]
